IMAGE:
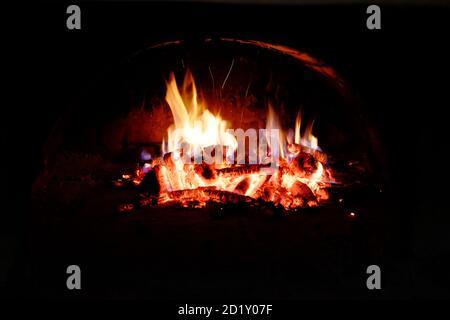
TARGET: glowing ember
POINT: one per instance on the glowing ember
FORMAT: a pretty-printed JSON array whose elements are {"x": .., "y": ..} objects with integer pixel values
[{"x": 204, "y": 160}]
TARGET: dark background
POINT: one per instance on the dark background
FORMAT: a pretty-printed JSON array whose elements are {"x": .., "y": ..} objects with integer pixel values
[{"x": 400, "y": 72}]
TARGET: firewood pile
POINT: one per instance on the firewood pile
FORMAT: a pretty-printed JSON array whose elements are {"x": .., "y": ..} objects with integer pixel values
[{"x": 299, "y": 183}]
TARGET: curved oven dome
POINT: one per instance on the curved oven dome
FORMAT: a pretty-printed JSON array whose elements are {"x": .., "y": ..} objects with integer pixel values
[{"x": 126, "y": 114}]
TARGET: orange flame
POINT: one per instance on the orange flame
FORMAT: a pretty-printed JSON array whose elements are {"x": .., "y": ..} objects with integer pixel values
[{"x": 194, "y": 124}]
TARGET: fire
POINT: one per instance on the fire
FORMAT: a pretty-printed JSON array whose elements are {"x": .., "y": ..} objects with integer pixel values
[
  {"x": 194, "y": 125},
  {"x": 198, "y": 162}
]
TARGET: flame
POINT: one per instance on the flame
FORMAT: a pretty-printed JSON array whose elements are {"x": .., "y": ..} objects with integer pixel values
[
  {"x": 194, "y": 125},
  {"x": 309, "y": 139},
  {"x": 298, "y": 123},
  {"x": 274, "y": 134}
]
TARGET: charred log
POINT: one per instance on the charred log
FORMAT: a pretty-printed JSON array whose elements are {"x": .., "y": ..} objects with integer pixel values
[{"x": 242, "y": 170}]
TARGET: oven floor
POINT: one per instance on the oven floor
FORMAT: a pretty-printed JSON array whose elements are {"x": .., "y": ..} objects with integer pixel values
[{"x": 181, "y": 253}]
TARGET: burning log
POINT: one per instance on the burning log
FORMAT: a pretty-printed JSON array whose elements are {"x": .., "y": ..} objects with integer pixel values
[
  {"x": 303, "y": 165},
  {"x": 162, "y": 179},
  {"x": 205, "y": 171},
  {"x": 174, "y": 163},
  {"x": 300, "y": 189},
  {"x": 190, "y": 194},
  {"x": 297, "y": 149},
  {"x": 322, "y": 195},
  {"x": 317, "y": 154},
  {"x": 205, "y": 194},
  {"x": 242, "y": 170},
  {"x": 242, "y": 186},
  {"x": 268, "y": 194}
]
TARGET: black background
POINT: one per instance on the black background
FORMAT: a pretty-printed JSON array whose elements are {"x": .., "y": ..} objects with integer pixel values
[{"x": 400, "y": 72}]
